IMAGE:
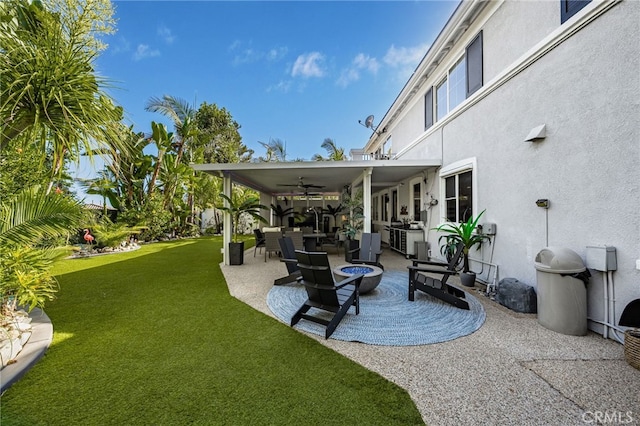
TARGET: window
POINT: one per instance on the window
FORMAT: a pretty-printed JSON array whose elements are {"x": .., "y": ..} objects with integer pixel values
[
  {"x": 375, "y": 208},
  {"x": 385, "y": 207},
  {"x": 474, "y": 64},
  {"x": 428, "y": 108},
  {"x": 458, "y": 196},
  {"x": 461, "y": 81},
  {"x": 568, "y": 8},
  {"x": 441, "y": 100},
  {"x": 417, "y": 201},
  {"x": 457, "y": 84}
]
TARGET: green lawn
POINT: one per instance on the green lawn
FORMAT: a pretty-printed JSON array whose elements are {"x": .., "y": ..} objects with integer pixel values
[{"x": 152, "y": 337}]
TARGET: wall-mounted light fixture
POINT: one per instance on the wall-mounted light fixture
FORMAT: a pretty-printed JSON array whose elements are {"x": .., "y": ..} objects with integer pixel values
[
  {"x": 543, "y": 202},
  {"x": 537, "y": 134}
]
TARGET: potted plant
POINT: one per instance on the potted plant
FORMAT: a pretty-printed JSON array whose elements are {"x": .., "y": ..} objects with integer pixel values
[
  {"x": 463, "y": 233},
  {"x": 355, "y": 221},
  {"x": 237, "y": 206},
  {"x": 281, "y": 212},
  {"x": 333, "y": 211},
  {"x": 631, "y": 318}
]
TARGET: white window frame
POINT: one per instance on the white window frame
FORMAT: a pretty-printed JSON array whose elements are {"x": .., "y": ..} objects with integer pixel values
[
  {"x": 460, "y": 61},
  {"x": 412, "y": 183},
  {"x": 456, "y": 168}
]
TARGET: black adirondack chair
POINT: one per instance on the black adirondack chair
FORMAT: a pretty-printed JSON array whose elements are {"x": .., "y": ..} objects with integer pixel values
[
  {"x": 437, "y": 287},
  {"x": 369, "y": 251},
  {"x": 289, "y": 258},
  {"x": 323, "y": 292}
]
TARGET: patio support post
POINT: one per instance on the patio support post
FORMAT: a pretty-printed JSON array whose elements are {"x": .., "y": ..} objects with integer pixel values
[
  {"x": 227, "y": 228},
  {"x": 366, "y": 198}
]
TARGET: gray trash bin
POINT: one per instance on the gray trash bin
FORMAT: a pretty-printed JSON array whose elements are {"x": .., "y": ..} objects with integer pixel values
[{"x": 562, "y": 293}]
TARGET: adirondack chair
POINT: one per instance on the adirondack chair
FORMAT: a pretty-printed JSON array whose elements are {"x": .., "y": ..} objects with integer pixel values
[
  {"x": 439, "y": 288},
  {"x": 369, "y": 251},
  {"x": 323, "y": 292},
  {"x": 289, "y": 258}
]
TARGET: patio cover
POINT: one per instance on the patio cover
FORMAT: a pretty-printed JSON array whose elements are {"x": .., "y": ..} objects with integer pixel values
[{"x": 267, "y": 178}]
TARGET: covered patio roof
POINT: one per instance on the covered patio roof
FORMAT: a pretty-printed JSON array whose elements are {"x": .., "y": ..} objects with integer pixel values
[
  {"x": 332, "y": 176},
  {"x": 268, "y": 178}
]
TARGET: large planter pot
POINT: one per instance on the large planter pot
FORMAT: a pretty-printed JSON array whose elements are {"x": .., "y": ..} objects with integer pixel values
[
  {"x": 468, "y": 279},
  {"x": 632, "y": 348},
  {"x": 348, "y": 246},
  {"x": 236, "y": 253}
]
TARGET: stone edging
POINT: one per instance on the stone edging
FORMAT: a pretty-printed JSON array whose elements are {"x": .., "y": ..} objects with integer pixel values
[{"x": 33, "y": 350}]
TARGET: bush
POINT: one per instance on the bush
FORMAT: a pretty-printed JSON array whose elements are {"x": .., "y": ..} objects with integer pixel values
[{"x": 157, "y": 221}]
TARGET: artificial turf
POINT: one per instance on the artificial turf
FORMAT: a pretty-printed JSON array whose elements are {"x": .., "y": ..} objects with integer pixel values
[{"x": 152, "y": 337}]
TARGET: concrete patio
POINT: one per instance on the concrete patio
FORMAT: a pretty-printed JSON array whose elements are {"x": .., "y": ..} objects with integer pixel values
[{"x": 511, "y": 371}]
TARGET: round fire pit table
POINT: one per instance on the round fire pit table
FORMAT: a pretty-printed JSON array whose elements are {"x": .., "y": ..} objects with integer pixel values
[{"x": 372, "y": 275}]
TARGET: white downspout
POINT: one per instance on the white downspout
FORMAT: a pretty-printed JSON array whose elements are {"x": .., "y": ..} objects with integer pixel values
[
  {"x": 227, "y": 232},
  {"x": 366, "y": 198}
]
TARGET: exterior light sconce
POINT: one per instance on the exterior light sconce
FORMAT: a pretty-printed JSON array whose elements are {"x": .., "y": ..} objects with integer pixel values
[
  {"x": 537, "y": 134},
  {"x": 543, "y": 202}
]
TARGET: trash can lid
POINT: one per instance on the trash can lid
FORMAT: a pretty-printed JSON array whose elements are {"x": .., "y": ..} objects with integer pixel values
[{"x": 557, "y": 260}]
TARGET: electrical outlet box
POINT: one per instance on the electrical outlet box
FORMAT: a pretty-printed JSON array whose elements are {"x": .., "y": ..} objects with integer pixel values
[
  {"x": 489, "y": 228},
  {"x": 602, "y": 258}
]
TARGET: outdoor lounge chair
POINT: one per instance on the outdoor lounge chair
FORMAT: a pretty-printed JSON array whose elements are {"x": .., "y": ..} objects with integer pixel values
[
  {"x": 259, "y": 240},
  {"x": 437, "y": 287},
  {"x": 369, "y": 251},
  {"x": 289, "y": 258},
  {"x": 323, "y": 292}
]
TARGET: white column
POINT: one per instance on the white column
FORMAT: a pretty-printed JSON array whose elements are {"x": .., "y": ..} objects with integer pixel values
[
  {"x": 366, "y": 198},
  {"x": 227, "y": 232}
]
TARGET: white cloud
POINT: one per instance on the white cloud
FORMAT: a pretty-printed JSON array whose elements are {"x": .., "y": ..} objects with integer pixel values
[
  {"x": 120, "y": 46},
  {"x": 309, "y": 65},
  {"x": 143, "y": 51},
  {"x": 359, "y": 63},
  {"x": 283, "y": 86},
  {"x": 277, "y": 53},
  {"x": 166, "y": 34},
  {"x": 403, "y": 56},
  {"x": 362, "y": 61},
  {"x": 247, "y": 55}
]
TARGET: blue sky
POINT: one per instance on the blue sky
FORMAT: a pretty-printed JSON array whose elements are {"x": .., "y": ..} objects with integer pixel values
[{"x": 296, "y": 71}]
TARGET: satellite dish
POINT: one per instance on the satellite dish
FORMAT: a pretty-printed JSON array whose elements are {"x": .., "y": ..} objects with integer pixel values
[{"x": 368, "y": 122}]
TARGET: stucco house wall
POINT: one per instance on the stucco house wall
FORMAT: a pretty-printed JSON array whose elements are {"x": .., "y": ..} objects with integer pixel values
[{"x": 586, "y": 90}]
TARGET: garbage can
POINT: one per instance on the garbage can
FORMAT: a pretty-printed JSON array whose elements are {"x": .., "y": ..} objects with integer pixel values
[{"x": 562, "y": 292}]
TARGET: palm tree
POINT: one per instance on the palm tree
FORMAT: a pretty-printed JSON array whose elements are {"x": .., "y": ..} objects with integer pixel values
[
  {"x": 183, "y": 116},
  {"x": 239, "y": 205},
  {"x": 281, "y": 212},
  {"x": 104, "y": 185},
  {"x": 50, "y": 95},
  {"x": 25, "y": 221},
  {"x": 163, "y": 141},
  {"x": 335, "y": 153},
  {"x": 276, "y": 150}
]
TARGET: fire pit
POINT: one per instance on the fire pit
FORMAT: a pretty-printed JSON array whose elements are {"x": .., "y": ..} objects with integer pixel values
[{"x": 372, "y": 275}]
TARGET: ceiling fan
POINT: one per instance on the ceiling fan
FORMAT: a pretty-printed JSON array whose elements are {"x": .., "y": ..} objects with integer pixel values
[{"x": 302, "y": 185}]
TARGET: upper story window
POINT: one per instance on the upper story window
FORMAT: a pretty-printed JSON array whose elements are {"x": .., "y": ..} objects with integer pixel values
[
  {"x": 568, "y": 8},
  {"x": 461, "y": 81}
]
